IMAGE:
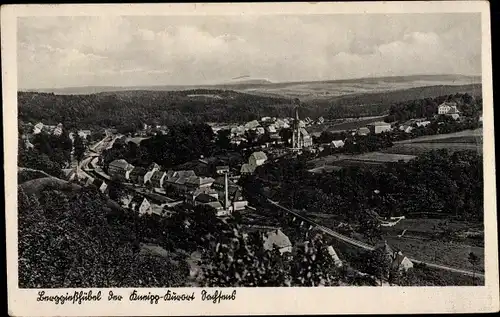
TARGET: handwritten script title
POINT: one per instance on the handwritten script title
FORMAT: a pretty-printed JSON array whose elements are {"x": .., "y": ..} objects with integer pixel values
[{"x": 79, "y": 297}]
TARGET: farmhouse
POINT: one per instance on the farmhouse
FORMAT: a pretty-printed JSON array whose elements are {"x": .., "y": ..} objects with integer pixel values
[
  {"x": 277, "y": 239},
  {"x": 247, "y": 169},
  {"x": 406, "y": 128},
  {"x": 191, "y": 196},
  {"x": 150, "y": 171},
  {"x": 257, "y": 158},
  {"x": 120, "y": 169},
  {"x": 379, "y": 127},
  {"x": 58, "y": 130},
  {"x": 363, "y": 131},
  {"x": 38, "y": 128},
  {"x": 252, "y": 125},
  {"x": 141, "y": 205},
  {"x": 338, "y": 144},
  {"x": 447, "y": 107},
  {"x": 398, "y": 260},
  {"x": 157, "y": 179},
  {"x": 423, "y": 123}
]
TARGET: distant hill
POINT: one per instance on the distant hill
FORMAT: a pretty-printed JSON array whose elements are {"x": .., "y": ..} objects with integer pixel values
[
  {"x": 303, "y": 89},
  {"x": 248, "y": 81}
]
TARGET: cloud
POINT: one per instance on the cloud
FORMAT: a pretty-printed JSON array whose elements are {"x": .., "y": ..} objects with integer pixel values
[{"x": 82, "y": 51}]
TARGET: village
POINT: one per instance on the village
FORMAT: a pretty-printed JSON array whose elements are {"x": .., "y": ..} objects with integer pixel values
[{"x": 213, "y": 181}]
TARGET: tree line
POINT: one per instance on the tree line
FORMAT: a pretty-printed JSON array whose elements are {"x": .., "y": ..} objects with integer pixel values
[
  {"x": 438, "y": 182},
  {"x": 467, "y": 104}
]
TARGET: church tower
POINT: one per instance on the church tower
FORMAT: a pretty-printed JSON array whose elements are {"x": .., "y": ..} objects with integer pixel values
[{"x": 296, "y": 130}]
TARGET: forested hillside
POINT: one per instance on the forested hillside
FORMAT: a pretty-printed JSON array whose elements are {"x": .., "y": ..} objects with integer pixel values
[
  {"x": 132, "y": 108},
  {"x": 152, "y": 107}
]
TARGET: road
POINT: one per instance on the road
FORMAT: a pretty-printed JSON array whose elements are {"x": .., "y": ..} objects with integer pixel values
[{"x": 368, "y": 247}]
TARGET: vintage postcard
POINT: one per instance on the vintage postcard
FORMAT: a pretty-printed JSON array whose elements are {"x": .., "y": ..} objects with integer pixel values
[{"x": 229, "y": 159}]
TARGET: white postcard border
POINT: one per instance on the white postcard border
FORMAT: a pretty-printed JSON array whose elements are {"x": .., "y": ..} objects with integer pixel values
[{"x": 22, "y": 302}]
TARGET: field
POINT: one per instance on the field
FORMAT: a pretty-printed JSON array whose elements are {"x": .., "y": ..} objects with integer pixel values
[
  {"x": 349, "y": 124},
  {"x": 371, "y": 158},
  {"x": 465, "y": 135},
  {"x": 420, "y": 148},
  {"x": 439, "y": 252},
  {"x": 458, "y": 141}
]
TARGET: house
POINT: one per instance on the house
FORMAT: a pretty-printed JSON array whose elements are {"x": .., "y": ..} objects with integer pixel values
[
  {"x": 125, "y": 200},
  {"x": 238, "y": 140},
  {"x": 101, "y": 185},
  {"x": 152, "y": 168},
  {"x": 338, "y": 144},
  {"x": 141, "y": 205},
  {"x": 401, "y": 262},
  {"x": 280, "y": 124},
  {"x": 423, "y": 123},
  {"x": 120, "y": 169},
  {"x": 184, "y": 180},
  {"x": 251, "y": 125},
  {"x": 237, "y": 131},
  {"x": 277, "y": 239},
  {"x": 157, "y": 179},
  {"x": 398, "y": 260},
  {"x": 58, "y": 130},
  {"x": 321, "y": 120},
  {"x": 196, "y": 182},
  {"x": 406, "y": 128},
  {"x": 271, "y": 129},
  {"x": 84, "y": 134},
  {"x": 335, "y": 257},
  {"x": 264, "y": 119},
  {"x": 237, "y": 201},
  {"x": 191, "y": 195},
  {"x": 363, "y": 131},
  {"x": 257, "y": 158},
  {"x": 157, "y": 210},
  {"x": 69, "y": 174},
  {"x": 379, "y": 127},
  {"x": 203, "y": 199},
  {"x": 218, "y": 207},
  {"x": 447, "y": 107},
  {"x": 38, "y": 128},
  {"x": 137, "y": 175},
  {"x": 454, "y": 113},
  {"x": 260, "y": 130},
  {"x": 247, "y": 169}
]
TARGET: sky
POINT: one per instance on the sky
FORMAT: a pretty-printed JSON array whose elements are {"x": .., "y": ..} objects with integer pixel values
[{"x": 58, "y": 52}]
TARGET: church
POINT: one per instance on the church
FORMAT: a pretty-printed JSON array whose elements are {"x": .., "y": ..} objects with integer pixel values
[{"x": 300, "y": 137}]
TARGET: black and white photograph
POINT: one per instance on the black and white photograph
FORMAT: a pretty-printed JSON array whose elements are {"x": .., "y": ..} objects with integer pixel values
[{"x": 251, "y": 150}]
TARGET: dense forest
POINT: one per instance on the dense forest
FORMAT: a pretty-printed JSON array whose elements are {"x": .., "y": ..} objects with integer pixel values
[
  {"x": 435, "y": 182},
  {"x": 130, "y": 109},
  {"x": 133, "y": 108},
  {"x": 183, "y": 143}
]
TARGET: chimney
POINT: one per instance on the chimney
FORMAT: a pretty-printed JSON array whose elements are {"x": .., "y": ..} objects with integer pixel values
[{"x": 226, "y": 200}]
